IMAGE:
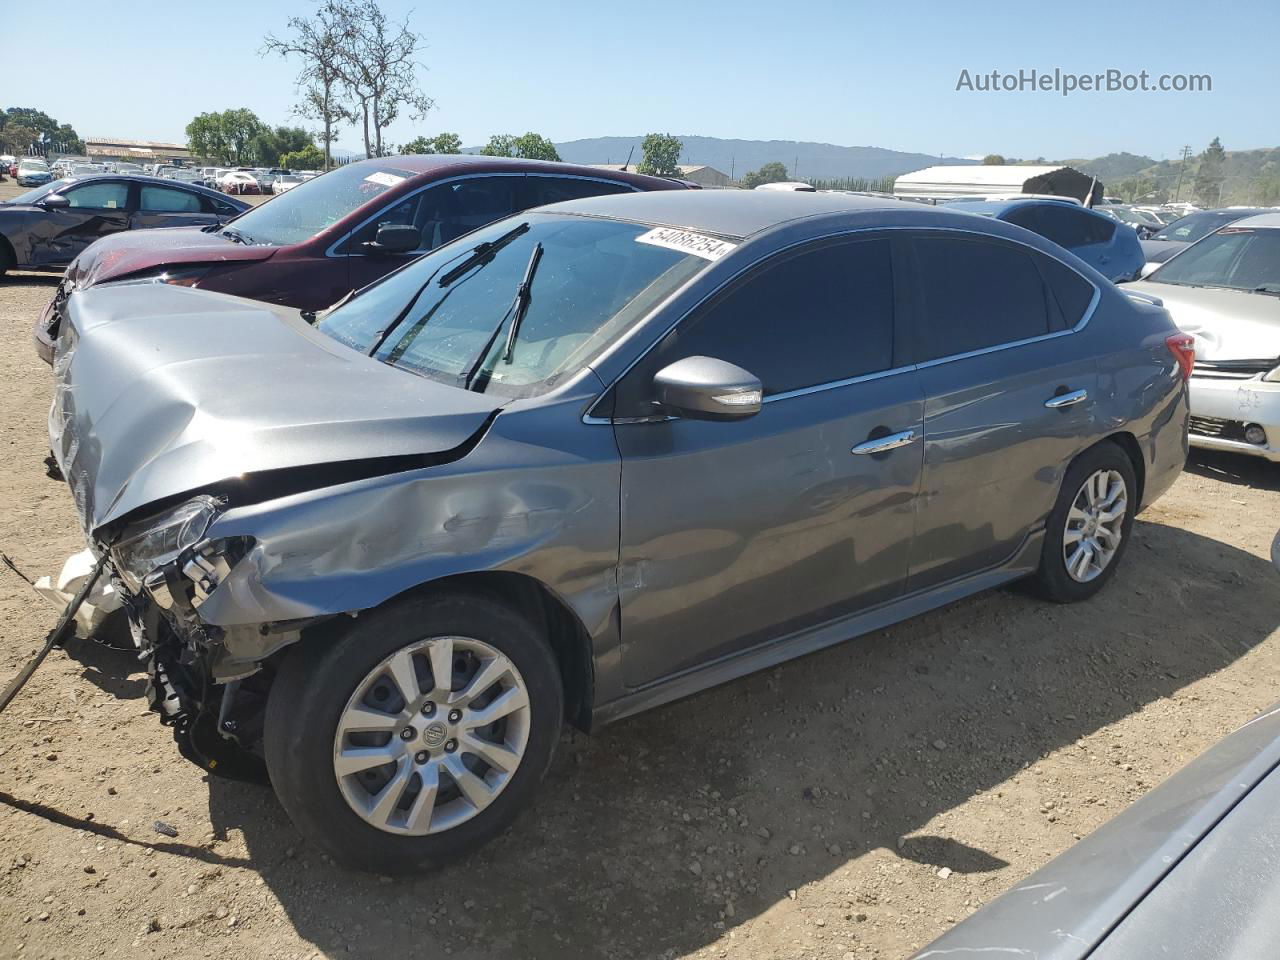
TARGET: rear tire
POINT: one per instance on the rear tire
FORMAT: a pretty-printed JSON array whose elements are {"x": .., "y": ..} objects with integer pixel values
[
  {"x": 371, "y": 692},
  {"x": 1090, "y": 526}
]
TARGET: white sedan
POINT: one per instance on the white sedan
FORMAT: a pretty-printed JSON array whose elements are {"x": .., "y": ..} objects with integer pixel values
[
  {"x": 1225, "y": 291},
  {"x": 285, "y": 182}
]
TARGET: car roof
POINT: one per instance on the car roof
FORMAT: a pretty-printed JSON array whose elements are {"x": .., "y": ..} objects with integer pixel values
[
  {"x": 442, "y": 164},
  {"x": 1261, "y": 220},
  {"x": 994, "y": 208},
  {"x": 726, "y": 213}
]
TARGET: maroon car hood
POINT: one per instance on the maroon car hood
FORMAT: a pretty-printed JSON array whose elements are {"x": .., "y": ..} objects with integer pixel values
[{"x": 137, "y": 251}]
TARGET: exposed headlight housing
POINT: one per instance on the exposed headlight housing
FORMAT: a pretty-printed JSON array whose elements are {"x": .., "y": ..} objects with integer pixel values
[{"x": 150, "y": 544}]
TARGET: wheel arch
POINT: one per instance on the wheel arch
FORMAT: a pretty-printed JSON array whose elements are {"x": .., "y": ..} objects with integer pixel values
[
  {"x": 567, "y": 635},
  {"x": 1133, "y": 450}
]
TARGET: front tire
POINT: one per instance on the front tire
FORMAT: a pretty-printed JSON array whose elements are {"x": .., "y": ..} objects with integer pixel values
[
  {"x": 1089, "y": 528},
  {"x": 417, "y": 734}
]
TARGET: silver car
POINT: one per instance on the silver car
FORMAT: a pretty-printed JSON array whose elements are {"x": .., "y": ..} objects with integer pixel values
[
  {"x": 582, "y": 462},
  {"x": 1186, "y": 873},
  {"x": 1225, "y": 290}
]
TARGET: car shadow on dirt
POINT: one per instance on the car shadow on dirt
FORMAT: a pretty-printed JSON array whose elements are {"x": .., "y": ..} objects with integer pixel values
[
  {"x": 1235, "y": 468},
  {"x": 654, "y": 836}
]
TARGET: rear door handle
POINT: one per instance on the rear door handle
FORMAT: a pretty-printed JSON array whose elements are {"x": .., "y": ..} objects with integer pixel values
[
  {"x": 1067, "y": 399},
  {"x": 884, "y": 444}
]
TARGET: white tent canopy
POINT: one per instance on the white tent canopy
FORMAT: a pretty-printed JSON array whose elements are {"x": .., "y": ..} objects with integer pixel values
[{"x": 949, "y": 182}]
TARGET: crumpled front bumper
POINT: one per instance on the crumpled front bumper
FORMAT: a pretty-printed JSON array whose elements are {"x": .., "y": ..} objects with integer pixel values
[{"x": 1221, "y": 410}]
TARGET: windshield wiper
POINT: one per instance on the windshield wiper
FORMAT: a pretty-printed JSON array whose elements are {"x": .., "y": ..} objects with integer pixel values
[
  {"x": 483, "y": 252},
  {"x": 519, "y": 307},
  {"x": 232, "y": 233}
]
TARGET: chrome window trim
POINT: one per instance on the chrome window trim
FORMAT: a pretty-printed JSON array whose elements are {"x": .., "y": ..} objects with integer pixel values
[
  {"x": 803, "y": 391},
  {"x": 331, "y": 251}
]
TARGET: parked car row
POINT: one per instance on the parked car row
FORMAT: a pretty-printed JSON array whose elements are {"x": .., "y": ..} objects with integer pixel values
[{"x": 581, "y": 442}]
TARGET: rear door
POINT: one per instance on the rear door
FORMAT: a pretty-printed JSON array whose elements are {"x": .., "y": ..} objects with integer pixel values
[
  {"x": 1009, "y": 396},
  {"x": 171, "y": 207},
  {"x": 98, "y": 208},
  {"x": 540, "y": 189},
  {"x": 737, "y": 533}
]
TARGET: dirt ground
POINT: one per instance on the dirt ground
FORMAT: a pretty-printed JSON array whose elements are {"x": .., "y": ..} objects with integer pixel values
[{"x": 852, "y": 804}]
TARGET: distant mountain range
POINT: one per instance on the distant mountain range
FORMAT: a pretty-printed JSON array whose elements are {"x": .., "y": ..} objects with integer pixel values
[{"x": 735, "y": 157}]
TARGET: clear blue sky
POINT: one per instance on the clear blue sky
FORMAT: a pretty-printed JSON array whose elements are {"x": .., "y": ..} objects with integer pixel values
[{"x": 853, "y": 73}]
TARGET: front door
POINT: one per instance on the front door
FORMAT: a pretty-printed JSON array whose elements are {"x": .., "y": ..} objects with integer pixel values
[
  {"x": 98, "y": 208},
  {"x": 1009, "y": 396},
  {"x": 737, "y": 533},
  {"x": 442, "y": 213}
]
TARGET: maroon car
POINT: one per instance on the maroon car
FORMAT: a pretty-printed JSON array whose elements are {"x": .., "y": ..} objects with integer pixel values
[{"x": 312, "y": 245}]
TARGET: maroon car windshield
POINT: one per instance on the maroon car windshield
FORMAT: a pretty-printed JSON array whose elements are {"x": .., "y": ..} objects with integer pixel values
[{"x": 305, "y": 210}]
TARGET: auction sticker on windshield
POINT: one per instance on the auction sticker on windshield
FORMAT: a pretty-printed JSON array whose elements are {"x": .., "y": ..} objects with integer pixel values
[
  {"x": 700, "y": 245},
  {"x": 384, "y": 179}
]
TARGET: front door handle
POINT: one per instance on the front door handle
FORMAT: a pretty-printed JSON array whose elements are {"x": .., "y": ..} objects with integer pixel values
[
  {"x": 1067, "y": 399},
  {"x": 884, "y": 444}
]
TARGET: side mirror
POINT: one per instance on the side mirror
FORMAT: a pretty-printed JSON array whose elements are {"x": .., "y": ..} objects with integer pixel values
[
  {"x": 54, "y": 201},
  {"x": 703, "y": 388},
  {"x": 1149, "y": 268},
  {"x": 395, "y": 238}
]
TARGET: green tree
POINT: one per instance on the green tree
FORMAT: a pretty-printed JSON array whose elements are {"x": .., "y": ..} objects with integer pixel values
[
  {"x": 440, "y": 143},
  {"x": 660, "y": 155},
  {"x": 529, "y": 146},
  {"x": 18, "y": 138},
  {"x": 232, "y": 136},
  {"x": 309, "y": 157},
  {"x": 994, "y": 160},
  {"x": 1211, "y": 173},
  {"x": 49, "y": 134},
  {"x": 769, "y": 173}
]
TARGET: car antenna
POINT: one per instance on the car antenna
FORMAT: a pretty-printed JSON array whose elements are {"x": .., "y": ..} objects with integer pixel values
[{"x": 629, "y": 153}]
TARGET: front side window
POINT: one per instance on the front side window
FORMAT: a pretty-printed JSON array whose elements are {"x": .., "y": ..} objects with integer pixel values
[
  {"x": 1238, "y": 258},
  {"x": 99, "y": 196},
  {"x": 444, "y": 212},
  {"x": 449, "y": 315},
  {"x": 168, "y": 200},
  {"x": 973, "y": 294},
  {"x": 810, "y": 318}
]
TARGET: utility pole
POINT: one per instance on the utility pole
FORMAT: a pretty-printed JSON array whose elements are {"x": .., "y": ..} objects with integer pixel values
[
  {"x": 1186, "y": 151},
  {"x": 795, "y": 168}
]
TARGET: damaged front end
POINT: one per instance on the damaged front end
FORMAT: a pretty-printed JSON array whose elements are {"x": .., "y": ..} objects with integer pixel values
[{"x": 165, "y": 568}]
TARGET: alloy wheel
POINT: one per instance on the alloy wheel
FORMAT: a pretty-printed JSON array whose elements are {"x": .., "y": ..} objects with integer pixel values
[
  {"x": 431, "y": 735},
  {"x": 1095, "y": 524}
]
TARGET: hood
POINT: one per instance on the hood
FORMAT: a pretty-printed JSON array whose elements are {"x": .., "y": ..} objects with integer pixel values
[
  {"x": 163, "y": 390},
  {"x": 1227, "y": 324},
  {"x": 133, "y": 251}
]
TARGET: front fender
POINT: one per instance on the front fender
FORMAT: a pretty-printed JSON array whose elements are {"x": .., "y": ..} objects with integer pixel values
[{"x": 537, "y": 496}]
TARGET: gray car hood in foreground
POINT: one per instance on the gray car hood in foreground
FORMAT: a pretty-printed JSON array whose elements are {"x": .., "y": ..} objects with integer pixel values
[
  {"x": 169, "y": 390},
  {"x": 1071, "y": 908},
  {"x": 1227, "y": 324}
]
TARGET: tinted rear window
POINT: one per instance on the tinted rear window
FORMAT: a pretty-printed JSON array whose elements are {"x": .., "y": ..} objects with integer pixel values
[{"x": 972, "y": 294}]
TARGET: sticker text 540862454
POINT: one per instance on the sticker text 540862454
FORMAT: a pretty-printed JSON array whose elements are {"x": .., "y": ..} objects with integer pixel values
[{"x": 700, "y": 245}]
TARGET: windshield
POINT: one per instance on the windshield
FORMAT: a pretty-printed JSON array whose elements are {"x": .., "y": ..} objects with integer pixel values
[
  {"x": 1238, "y": 258},
  {"x": 315, "y": 204},
  {"x": 593, "y": 280},
  {"x": 31, "y": 196},
  {"x": 32, "y": 165}
]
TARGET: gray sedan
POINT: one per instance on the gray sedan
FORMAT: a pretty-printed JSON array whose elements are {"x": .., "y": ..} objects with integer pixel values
[{"x": 582, "y": 462}]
